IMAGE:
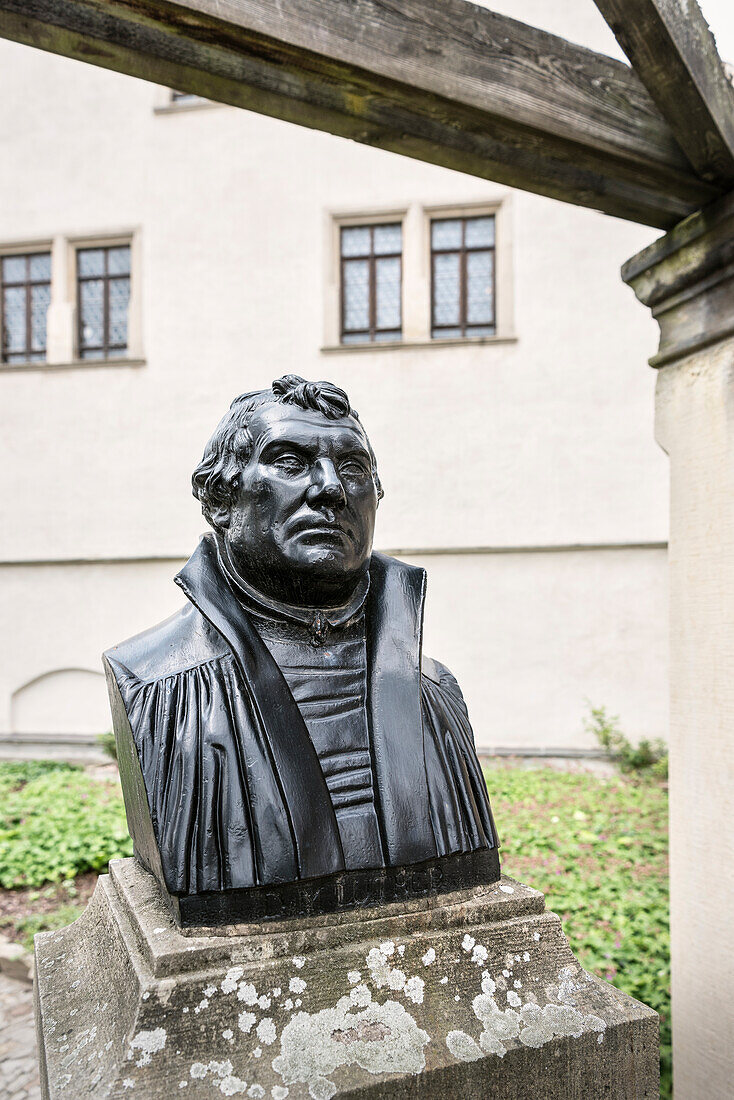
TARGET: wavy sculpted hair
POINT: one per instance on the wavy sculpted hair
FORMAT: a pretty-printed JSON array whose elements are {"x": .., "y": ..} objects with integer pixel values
[{"x": 215, "y": 478}]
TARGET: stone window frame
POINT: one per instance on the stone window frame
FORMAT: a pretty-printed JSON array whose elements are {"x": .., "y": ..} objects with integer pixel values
[
  {"x": 416, "y": 272},
  {"x": 62, "y": 350}
]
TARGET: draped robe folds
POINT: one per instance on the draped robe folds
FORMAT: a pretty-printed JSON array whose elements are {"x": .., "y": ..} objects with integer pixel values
[{"x": 234, "y": 789}]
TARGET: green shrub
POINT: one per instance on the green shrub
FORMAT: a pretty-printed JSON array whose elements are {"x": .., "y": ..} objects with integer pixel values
[
  {"x": 107, "y": 743},
  {"x": 598, "y": 850},
  {"x": 645, "y": 756},
  {"x": 56, "y": 823},
  {"x": 15, "y": 774}
]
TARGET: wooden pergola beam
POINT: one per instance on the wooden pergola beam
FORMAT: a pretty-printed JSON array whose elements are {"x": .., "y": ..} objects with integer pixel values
[
  {"x": 673, "y": 52},
  {"x": 440, "y": 80}
]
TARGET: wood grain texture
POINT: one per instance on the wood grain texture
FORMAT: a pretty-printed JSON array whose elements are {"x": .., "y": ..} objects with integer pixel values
[
  {"x": 674, "y": 54},
  {"x": 440, "y": 80}
]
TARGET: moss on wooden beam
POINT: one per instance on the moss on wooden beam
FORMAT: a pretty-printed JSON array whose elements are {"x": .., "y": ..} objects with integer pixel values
[{"x": 439, "y": 80}]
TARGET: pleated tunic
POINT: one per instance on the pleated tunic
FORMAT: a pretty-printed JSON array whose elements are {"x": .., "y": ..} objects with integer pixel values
[{"x": 238, "y": 791}]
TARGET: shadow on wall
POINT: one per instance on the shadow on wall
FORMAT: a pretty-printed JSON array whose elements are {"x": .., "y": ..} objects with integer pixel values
[{"x": 64, "y": 701}]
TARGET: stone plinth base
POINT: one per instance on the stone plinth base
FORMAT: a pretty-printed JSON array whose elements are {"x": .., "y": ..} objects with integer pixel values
[{"x": 468, "y": 995}]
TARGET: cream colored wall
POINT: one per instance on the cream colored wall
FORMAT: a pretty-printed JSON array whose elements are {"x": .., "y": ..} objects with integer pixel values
[
  {"x": 548, "y": 633},
  {"x": 544, "y": 441}
]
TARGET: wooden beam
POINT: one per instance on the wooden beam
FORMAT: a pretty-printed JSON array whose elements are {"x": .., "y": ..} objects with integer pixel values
[
  {"x": 674, "y": 54},
  {"x": 440, "y": 80}
]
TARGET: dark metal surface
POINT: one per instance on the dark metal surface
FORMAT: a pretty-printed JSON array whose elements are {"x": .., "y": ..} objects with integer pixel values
[
  {"x": 348, "y": 890},
  {"x": 225, "y": 786}
]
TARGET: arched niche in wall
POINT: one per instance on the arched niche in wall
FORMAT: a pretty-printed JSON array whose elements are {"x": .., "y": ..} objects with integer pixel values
[{"x": 64, "y": 701}]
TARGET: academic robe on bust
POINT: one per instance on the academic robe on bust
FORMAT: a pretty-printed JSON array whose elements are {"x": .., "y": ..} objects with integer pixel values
[{"x": 223, "y": 786}]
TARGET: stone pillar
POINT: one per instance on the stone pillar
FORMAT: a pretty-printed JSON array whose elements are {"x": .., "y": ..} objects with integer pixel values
[{"x": 687, "y": 280}]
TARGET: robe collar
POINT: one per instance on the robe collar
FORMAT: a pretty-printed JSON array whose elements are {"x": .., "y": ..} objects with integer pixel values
[
  {"x": 394, "y": 625},
  {"x": 318, "y": 620}
]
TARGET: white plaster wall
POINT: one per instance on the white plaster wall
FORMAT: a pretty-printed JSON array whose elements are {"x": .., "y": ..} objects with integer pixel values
[
  {"x": 546, "y": 441},
  {"x": 67, "y": 700},
  {"x": 550, "y": 632},
  {"x": 63, "y": 617}
]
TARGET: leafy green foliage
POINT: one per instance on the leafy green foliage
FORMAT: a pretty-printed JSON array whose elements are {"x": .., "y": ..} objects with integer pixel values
[
  {"x": 647, "y": 755},
  {"x": 15, "y": 774},
  {"x": 55, "y": 823},
  {"x": 598, "y": 850}
]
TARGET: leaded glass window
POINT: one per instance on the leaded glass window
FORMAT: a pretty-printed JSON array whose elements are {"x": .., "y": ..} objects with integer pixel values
[
  {"x": 103, "y": 296},
  {"x": 462, "y": 277},
  {"x": 371, "y": 283},
  {"x": 24, "y": 302}
]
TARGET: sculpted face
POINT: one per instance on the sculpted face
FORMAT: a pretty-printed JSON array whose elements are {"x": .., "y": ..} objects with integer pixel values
[{"x": 301, "y": 525}]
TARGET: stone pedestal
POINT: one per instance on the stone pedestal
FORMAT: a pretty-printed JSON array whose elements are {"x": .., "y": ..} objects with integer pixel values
[{"x": 471, "y": 994}]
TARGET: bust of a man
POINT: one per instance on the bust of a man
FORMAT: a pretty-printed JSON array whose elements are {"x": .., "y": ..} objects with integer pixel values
[{"x": 284, "y": 746}]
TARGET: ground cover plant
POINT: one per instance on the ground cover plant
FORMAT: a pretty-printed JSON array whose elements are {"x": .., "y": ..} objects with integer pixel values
[
  {"x": 57, "y": 822},
  {"x": 598, "y": 849}
]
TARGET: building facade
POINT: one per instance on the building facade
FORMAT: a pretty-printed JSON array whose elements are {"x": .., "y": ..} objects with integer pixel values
[{"x": 161, "y": 255}]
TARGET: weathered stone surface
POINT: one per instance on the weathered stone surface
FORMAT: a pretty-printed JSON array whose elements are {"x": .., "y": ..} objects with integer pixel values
[
  {"x": 687, "y": 280},
  {"x": 472, "y": 994}
]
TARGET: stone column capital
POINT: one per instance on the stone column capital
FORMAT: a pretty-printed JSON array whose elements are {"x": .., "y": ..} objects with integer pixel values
[{"x": 686, "y": 278}]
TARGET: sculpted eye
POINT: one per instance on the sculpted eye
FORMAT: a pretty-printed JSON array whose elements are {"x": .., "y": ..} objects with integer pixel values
[
  {"x": 289, "y": 463},
  {"x": 353, "y": 468}
]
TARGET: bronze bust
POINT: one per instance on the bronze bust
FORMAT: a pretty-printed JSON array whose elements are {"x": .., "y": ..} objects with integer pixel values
[{"x": 284, "y": 746}]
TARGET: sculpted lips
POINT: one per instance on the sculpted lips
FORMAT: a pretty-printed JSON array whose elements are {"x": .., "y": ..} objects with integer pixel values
[
  {"x": 319, "y": 527},
  {"x": 323, "y": 532}
]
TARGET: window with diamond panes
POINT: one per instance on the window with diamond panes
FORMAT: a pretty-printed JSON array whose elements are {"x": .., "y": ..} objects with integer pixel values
[
  {"x": 103, "y": 290},
  {"x": 371, "y": 283},
  {"x": 462, "y": 277},
  {"x": 24, "y": 301}
]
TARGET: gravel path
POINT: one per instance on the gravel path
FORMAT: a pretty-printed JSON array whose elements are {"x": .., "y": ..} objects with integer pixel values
[{"x": 18, "y": 1067}]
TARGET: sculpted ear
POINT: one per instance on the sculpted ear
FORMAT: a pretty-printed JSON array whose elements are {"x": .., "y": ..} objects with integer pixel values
[
  {"x": 220, "y": 515},
  {"x": 222, "y": 499}
]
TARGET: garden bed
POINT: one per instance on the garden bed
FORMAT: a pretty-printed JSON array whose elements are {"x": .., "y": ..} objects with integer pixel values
[{"x": 59, "y": 826}]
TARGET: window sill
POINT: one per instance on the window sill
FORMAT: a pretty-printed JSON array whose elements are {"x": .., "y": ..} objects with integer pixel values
[
  {"x": 186, "y": 105},
  {"x": 74, "y": 364},
  {"x": 394, "y": 345}
]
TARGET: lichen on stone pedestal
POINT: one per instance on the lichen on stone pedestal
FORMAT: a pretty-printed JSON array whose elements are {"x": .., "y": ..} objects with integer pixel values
[{"x": 462, "y": 989}]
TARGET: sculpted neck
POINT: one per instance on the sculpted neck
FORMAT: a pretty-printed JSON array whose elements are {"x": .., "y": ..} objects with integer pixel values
[{"x": 306, "y": 591}]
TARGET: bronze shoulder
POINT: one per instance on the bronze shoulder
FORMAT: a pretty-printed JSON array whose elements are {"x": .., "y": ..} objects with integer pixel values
[{"x": 184, "y": 640}]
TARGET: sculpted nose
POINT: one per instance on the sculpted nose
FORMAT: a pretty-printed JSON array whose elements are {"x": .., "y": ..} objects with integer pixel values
[{"x": 325, "y": 485}]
